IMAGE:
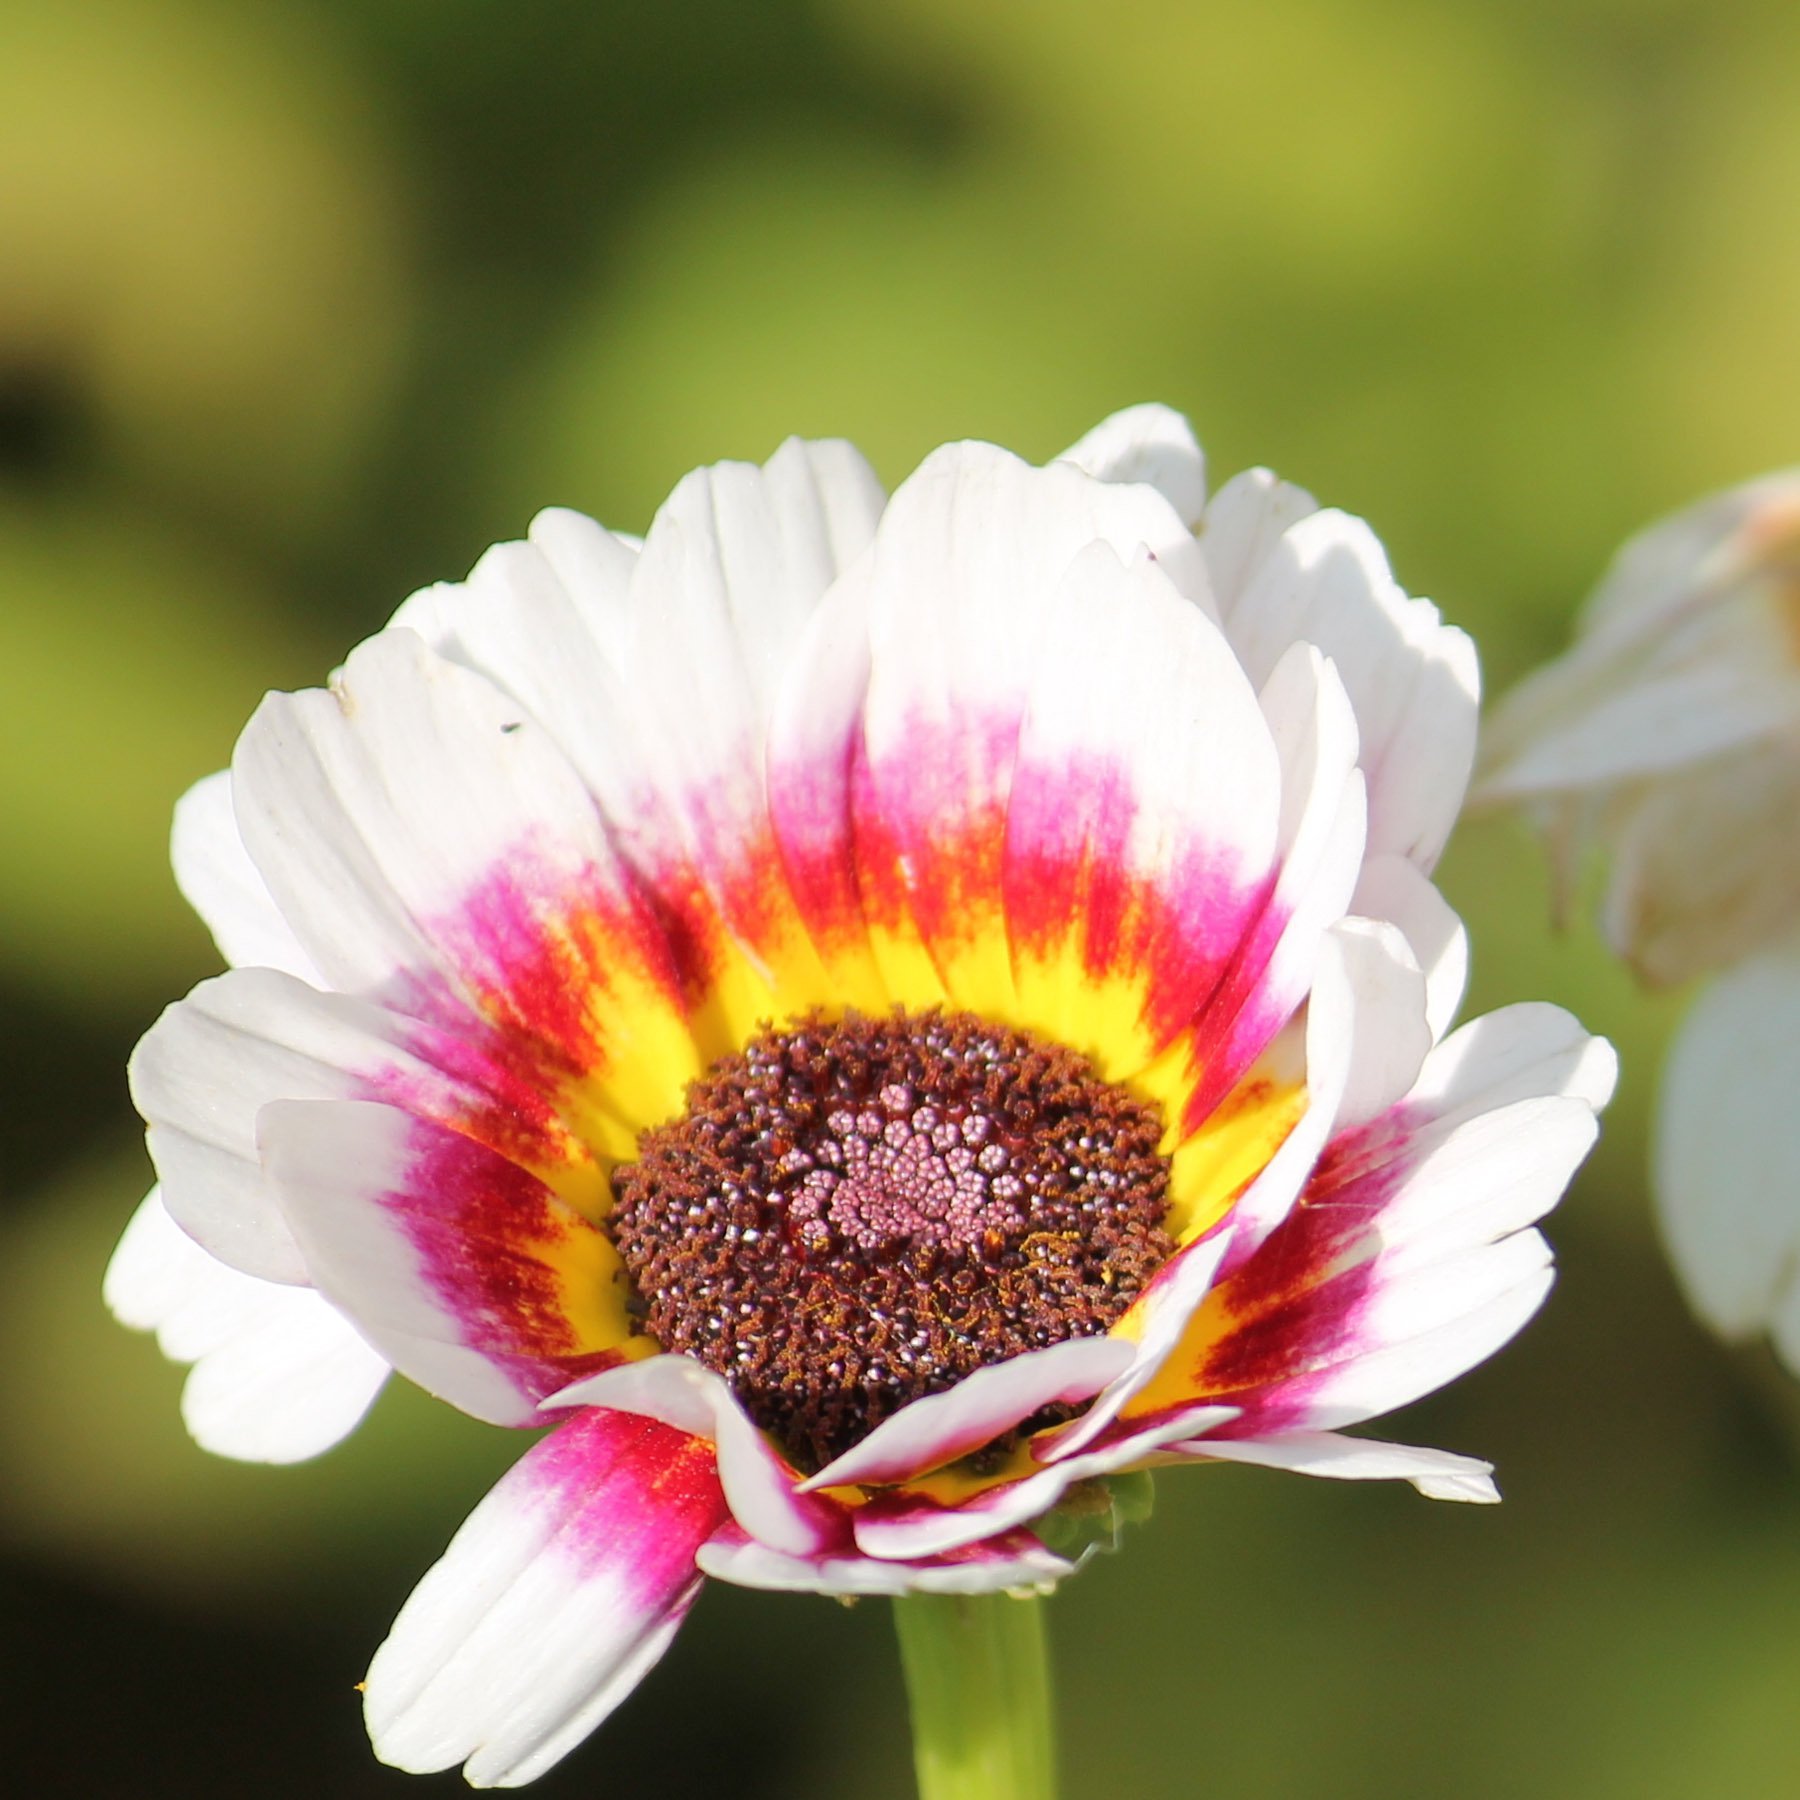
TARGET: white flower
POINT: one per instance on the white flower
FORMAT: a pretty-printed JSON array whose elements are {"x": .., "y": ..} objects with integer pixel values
[
  {"x": 867, "y": 1014},
  {"x": 1669, "y": 736}
]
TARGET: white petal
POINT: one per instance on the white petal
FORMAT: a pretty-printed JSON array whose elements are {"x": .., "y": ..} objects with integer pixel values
[
  {"x": 375, "y": 811},
  {"x": 1499, "y": 1292},
  {"x": 1123, "y": 848},
  {"x": 1409, "y": 1255},
  {"x": 1515, "y": 1053},
  {"x": 1472, "y": 1182},
  {"x": 657, "y": 672},
  {"x": 219, "y": 881},
  {"x": 814, "y": 744},
  {"x": 762, "y": 1492},
  {"x": 1647, "y": 725},
  {"x": 1390, "y": 1034},
  {"x": 1412, "y": 679},
  {"x": 548, "y": 630},
  {"x": 1726, "y": 1156},
  {"x": 561, "y": 1589},
  {"x": 1183, "y": 1283},
  {"x": 737, "y": 558},
  {"x": 279, "y": 1374},
  {"x": 1437, "y": 1474},
  {"x": 733, "y": 568},
  {"x": 1331, "y": 1036},
  {"x": 1685, "y": 651},
  {"x": 1243, "y": 524},
  {"x": 1148, "y": 443},
  {"x": 1655, "y": 578},
  {"x": 1321, "y": 838},
  {"x": 209, "y": 1065},
  {"x": 941, "y": 1427},
  {"x": 212, "y": 1061},
  {"x": 1392, "y": 888},
  {"x": 453, "y": 1261},
  {"x": 971, "y": 556},
  {"x": 971, "y": 551}
]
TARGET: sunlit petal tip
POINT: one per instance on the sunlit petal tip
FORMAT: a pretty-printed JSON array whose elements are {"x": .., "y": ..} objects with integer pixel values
[
  {"x": 1147, "y": 443},
  {"x": 221, "y": 883}
]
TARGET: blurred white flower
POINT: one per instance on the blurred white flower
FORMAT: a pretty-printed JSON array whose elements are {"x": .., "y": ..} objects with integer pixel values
[{"x": 1668, "y": 736}]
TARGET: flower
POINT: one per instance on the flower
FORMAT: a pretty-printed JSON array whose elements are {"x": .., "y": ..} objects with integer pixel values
[
  {"x": 872, "y": 1016},
  {"x": 1669, "y": 735}
]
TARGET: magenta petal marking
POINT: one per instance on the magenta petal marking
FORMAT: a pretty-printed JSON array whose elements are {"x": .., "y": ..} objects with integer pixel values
[
  {"x": 455, "y": 1263},
  {"x": 474, "y": 1219},
  {"x": 760, "y": 1488},
  {"x": 1296, "y": 1304},
  {"x": 1070, "y": 872},
  {"x": 529, "y": 950},
  {"x": 562, "y": 1588},
  {"x": 930, "y": 815},
  {"x": 815, "y": 735},
  {"x": 637, "y": 1494}
]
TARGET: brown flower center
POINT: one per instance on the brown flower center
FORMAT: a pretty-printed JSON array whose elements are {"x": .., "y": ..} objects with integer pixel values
[{"x": 855, "y": 1213}]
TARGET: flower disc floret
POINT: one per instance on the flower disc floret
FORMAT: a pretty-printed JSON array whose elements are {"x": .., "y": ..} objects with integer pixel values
[{"x": 853, "y": 1214}]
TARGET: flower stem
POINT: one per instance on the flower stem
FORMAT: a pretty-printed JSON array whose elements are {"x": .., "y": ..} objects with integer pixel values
[{"x": 978, "y": 1677}]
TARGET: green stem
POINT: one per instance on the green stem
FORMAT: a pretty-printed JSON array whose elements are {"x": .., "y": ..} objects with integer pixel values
[{"x": 978, "y": 1677}]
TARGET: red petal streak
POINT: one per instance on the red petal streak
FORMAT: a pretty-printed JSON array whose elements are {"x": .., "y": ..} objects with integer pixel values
[
  {"x": 930, "y": 828},
  {"x": 553, "y": 967},
  {"x": 1239, "y": 1019},
  {"x": 810, "y": 806},
  {"x": 1272, "y": 1331},
  {"x": 494, "y": 1104},
  {"x": 1069, "y": 877},
  {"x": 511, "y": 1264}
]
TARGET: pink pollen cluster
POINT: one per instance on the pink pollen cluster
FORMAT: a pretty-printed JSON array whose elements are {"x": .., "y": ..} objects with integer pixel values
[{"x": 905, "y": 1171}]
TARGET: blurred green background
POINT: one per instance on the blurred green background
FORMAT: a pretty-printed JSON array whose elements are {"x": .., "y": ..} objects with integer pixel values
[{"x": 301, "y": 305}]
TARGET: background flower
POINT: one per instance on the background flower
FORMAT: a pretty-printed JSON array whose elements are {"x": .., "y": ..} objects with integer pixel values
[
  {"x": 1505, "y": 281},
  {"x": 1668, "y": 736},
  {"x": 1668, "y": 739}
]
